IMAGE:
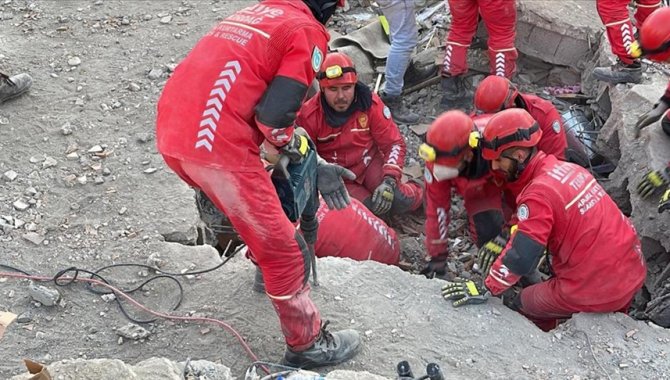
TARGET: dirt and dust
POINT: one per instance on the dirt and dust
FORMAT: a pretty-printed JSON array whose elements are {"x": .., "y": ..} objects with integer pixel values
[{"x": 81, "y": 142}]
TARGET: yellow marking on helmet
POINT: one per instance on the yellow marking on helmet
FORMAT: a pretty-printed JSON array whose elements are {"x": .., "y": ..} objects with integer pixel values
[{"x": 427, "y": 153}]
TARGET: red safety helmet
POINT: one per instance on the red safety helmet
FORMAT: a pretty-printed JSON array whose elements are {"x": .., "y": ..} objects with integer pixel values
[
  {"x": 509, "y": 128},
  {"x": 655, "y": 35},
  {"x": 447, "y": 138},
  {"x": 337, "y": 70},
  {"x": 495, "y": 93}
]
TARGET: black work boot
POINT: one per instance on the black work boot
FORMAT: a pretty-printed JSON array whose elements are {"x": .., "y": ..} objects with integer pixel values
[
  {"x": 11, "y": 87},
  {"x": 259, "y": 283},
  {"x": 620, "y": 73},
  {"x": 328, "y": 349},
  {"x": 401, "y": 114},
  {"x": 454, "y": 94}
]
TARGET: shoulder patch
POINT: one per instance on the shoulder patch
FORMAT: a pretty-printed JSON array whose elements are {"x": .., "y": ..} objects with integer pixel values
[
  {"x": 522, "y": 212},
  {"x": 387, "y": 112},
  {"x": 363, "y": 121},
  {"x": 556, "y": 126},
  {"x": 427, "y": 175},
  {"x": 317, "y": 59}
]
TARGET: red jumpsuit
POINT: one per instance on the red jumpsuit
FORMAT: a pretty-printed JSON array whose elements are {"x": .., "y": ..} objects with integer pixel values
[
  {"x": 367, "y": 236},
  {"x": 500, "y": 19},
  {"x": 553, "y": 140},
  {"x": 480, "y": 189},
  {"x": 217, "y": 108},
  {"x": 369, "y": 144},
  {"x": 620, "y": 33},
  {"x": 595, "y": 254}
]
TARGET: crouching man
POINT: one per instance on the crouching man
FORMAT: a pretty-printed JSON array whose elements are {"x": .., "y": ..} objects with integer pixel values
[{"x": 595, "y": 255}]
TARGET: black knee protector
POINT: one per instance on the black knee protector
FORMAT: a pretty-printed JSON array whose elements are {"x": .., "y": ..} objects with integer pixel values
[
  {"x": 665, "y": 124},
  {"x": 488, "y": 225},
  {"x": 306, "y": 256}
]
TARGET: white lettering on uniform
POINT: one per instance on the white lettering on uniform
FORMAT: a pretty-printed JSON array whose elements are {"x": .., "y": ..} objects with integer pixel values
[
  {"x": 255, "y": 14},
  {"x": 560, "y": 172}
]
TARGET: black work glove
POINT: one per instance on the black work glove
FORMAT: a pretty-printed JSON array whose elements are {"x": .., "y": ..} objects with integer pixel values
[
  {"x": 298, "y": 147},
  {"x": 664, "y": 203},
  {"x": 490, "y": 251},
  {"x": 382, "y": 198},
  {"x": 652, "y": 181},
  {"x": 436, "y": 267},
  {"x": 464, "y": 292},
  {"x": 331, "y": 186},
  {"x": 651, "y": 116}
]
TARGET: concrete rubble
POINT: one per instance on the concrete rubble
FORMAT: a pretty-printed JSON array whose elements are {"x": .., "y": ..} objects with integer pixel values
[{"x": 129, "y": 207}]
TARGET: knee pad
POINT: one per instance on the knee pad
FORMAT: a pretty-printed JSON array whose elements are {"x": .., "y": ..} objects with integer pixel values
[
  {"x": 488, "y": 225},
  {"x": 306, "y": 256},
  {"x": 665, "y": 124}
]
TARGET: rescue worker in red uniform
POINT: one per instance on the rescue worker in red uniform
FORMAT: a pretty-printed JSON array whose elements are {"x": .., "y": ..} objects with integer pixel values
[
  {"x": 500, "y": 19},
  {"x": 353, "y": 128},
  {"x": 621, "y": 35},
  {"x": 595, "y": 255},
  {"x": 368, "y": 237},
  {"x": 452, "y": 164},
  {"x": 241, "y": 84},
  {"x": 496, "y": 93},
  {"x": 655, "y": 44}
]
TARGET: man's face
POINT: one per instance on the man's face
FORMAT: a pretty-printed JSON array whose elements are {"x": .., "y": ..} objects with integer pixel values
[
  {"x": 503, "y": 168},
  {"x": 340, "y": 97}
]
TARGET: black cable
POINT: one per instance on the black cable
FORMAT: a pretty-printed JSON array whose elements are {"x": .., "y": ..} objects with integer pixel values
[
  {"x": 14, "y": 269},
  {"x": 59, "y": 281}
]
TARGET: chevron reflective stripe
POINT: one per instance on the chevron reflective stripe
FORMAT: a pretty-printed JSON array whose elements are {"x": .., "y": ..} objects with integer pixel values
[
  {"x": 394, "y": 155},
  {"x": 442, "y": 223},
  {"x": 626, "y": 37},
  {"x": 447, "y": 57},
  {"x": 500, "y": 64},
  {"x": 217, "y": 96}
]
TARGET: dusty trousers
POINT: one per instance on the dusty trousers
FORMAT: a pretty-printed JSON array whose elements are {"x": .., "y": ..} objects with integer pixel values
[
  {"x": 251, "y": 203},
  {"x": 500, "y": 20},
  {"x": 620, "y": 33},
  {"x": 543, "y": 305}
]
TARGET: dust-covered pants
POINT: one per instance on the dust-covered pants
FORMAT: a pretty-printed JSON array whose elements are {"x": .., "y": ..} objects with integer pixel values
[
  {"x": 408, "y": 196},
  {"x": 543, "y": 305},
  {"x": 614, "y": 14},
  {"x": 251, "y": 203},
  {"x": 500, "y": 19}
]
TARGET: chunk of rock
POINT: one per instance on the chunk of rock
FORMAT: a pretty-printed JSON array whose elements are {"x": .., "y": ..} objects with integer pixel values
[
  {"x": 133, "y": 331},
  {"x": 44, "y": 295}
]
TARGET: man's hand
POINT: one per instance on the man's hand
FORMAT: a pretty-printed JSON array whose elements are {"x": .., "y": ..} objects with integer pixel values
[
  {"x": 464, "y": 292},
  {"x": 489, "y": 252},
  {"x": 382, "y": 198},
  {"x": 664, "y": 203},
  {"x": 652, "y": 181},
  {"x": 297, "y": 148},
  {"x": 331, "y": 186},
  {"x": 651, "y": 116},
  {"x": 436, "y": 267}
]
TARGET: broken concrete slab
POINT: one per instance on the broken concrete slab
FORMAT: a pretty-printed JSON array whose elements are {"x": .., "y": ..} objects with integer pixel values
[
  {"x": 559, "y": 32},
  {"x": 637, "y": 156}
]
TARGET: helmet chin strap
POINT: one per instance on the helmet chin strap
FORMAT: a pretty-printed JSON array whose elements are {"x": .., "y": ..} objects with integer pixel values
[{"x": 518, "y": 167}]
